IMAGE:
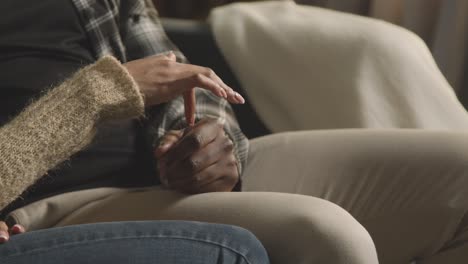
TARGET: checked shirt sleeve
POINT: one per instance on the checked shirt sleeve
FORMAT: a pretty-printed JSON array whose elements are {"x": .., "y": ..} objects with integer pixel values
[{"x": 145, "y": 36}]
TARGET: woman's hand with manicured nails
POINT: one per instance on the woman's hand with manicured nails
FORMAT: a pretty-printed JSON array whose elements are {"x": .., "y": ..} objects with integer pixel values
[
  {"x": 161, "y": 78},
  {"x": 5, "y": 232}
]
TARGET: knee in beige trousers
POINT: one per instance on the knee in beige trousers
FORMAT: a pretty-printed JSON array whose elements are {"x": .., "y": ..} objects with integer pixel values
[
  {"x": 408, "y": 188},
  {"x": 293, "y": 228}
]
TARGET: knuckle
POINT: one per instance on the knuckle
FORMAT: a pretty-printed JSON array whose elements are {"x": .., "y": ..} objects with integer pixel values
[
  {"x": 210, "y": 73},
  {"x": 166, "y": 63},
  {"x": 232, "y": 162},
  {"x": 198, "y": 78},
  {"x": 193, "y": 165},
  {"x": 196, "y": 178},
  {"x": 228, "y": 145},
  {"x": 217, "y": 123},
  {"x": 196, "y": 140}
]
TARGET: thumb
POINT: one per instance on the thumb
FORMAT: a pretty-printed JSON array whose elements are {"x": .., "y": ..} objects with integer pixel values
[
  {"x": 167, "y": 142},
  {"x": 162, "y": 149}
]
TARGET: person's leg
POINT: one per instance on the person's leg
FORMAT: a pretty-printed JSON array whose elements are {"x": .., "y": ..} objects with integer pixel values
[
  {"x": 293, "y": 228},
  {"x": 407, "y": 187},
  {"x": 136, "y": 243}
]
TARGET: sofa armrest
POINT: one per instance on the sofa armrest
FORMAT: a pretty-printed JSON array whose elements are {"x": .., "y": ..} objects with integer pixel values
[{"x": 196, "y": 41}]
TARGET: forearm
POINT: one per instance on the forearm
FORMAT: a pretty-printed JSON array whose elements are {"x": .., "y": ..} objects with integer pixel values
[{"x": 62, "y": 122}]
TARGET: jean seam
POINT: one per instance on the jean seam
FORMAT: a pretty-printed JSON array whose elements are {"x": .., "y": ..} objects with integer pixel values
[{"x": 101, "y": 240}]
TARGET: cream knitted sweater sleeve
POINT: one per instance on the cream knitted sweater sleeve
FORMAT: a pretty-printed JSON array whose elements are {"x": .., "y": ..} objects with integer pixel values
[{"x": 62, "y": 122}]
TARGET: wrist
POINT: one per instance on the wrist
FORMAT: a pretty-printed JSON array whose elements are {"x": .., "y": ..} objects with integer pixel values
[{"x": 112, "y": 88}]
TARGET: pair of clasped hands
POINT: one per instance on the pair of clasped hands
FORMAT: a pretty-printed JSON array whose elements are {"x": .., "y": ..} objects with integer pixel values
[
  {"x": 197, "y": 159},
  {"x": 201, "y": 157}
]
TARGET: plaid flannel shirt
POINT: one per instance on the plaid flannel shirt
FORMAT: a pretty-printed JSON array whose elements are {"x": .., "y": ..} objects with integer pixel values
[{"x": 130, "y": 29}]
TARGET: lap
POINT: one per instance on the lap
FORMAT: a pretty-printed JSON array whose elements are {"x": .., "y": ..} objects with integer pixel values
[
  {"x": 350, "y": 166},
  {"x": 135, "y": 242},
  {"x": 293, "y": 228},
  {"x": 407, "y": 187}
]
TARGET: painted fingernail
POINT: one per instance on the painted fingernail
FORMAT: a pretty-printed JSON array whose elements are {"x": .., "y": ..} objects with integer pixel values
[
  {"x": 240, "y": 98},
  {"x": 3, "y": 237},
  {"x": 16, "y": 229}
]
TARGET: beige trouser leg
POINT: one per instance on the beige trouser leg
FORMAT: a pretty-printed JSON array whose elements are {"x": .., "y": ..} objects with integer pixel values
[
  {"x": 409, "y": 188},
  {"x": 294, "y": 229}
]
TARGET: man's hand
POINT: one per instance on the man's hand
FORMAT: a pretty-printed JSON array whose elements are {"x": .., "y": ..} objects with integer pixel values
[
  {"x": 201, "y": 160},
  {"x": 5, "y": 232}
]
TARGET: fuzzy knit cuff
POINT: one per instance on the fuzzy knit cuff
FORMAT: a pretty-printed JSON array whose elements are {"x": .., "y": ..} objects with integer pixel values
[
  {"x": 62, "y": 122},
  {"x": 109, "y": 89}
]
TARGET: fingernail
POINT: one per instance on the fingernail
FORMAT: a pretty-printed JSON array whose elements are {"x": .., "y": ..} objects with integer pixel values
[
  {"x": 17, "y": 229},
  {"x": 161, "y": 147},
  {"x": 3, "y": 237},
  {"x": 241, "y": 99},
  {"x": 165, "y": 145}
]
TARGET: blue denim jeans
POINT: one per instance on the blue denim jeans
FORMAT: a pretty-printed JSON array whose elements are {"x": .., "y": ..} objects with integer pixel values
[{"x": 148, "y": 242}]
